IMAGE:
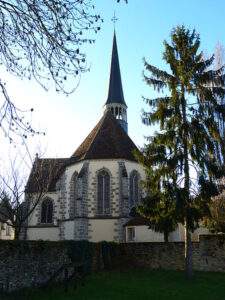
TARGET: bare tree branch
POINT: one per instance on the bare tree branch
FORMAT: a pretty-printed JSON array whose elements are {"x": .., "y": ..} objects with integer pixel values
[
  {"x": 19, "y": 197},
  {"x": 43, "y": 40}
]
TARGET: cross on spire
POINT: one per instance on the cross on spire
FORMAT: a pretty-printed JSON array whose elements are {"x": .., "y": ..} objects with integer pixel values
[{"x": 114, "y": 19}]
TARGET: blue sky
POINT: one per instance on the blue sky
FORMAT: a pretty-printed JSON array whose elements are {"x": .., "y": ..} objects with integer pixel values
[{"x": 142, "y": 27}]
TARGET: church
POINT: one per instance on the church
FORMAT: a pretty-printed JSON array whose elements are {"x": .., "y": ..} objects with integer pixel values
[
  {"x": 89, "y": 196},
  {"x": 92, "y": 192}
]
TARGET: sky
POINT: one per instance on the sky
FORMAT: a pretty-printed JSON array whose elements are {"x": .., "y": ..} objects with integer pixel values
[{"x": 142, "y": 27}]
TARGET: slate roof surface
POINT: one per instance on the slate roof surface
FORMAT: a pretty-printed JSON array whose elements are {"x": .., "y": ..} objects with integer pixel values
[
  {"x": 115, "y": 93},
  {"x": 107, "y": 140}
]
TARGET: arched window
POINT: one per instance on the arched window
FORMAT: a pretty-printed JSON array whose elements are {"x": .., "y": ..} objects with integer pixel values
[
  {"x": 103, "y": 193},
  {"x": 76, "y": 194},
  {"x": 124, "y": 182},
  {"x": 47, "y": 211},
  {"x": 79, "y": 190},
  {"x": 77, "y": 186},
  {"x": 74, "y": 185},
  {"x": 116, "y": 112},
  {"x": 134, "y": 188},
  {"x": 112, "y": 110}
]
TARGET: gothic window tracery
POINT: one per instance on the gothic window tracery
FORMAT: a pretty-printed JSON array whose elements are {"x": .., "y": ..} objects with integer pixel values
[
  {"x": 134, "y": 188},
  {"x": 124, "y": 183},
  {"x": 47, "y": 211},
  {"x": 76, "y": 197},
  {"x": 103, "y": 193},
  {"x": 79, "y": 190}
]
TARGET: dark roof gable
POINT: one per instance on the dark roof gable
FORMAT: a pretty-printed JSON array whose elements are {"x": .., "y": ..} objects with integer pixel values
[
  {"x": 107, "y": 140},
  {"x": 45, "y": 173}
]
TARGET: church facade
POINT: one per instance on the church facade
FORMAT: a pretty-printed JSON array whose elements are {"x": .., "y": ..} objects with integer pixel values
[{"x": 92, "y": 192}]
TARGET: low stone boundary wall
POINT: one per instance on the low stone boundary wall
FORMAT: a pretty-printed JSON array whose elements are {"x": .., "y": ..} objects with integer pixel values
[
  {"x": 208, "y": 254},
  {"x": 25, "y": 264},
  {"x": 32, "y": 263}
]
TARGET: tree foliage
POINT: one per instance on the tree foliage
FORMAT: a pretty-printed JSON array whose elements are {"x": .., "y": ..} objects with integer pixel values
[
  {"x": 218, "y": 63},
  {"x": 158, "y": 206},
  {"x": 216, "y": 221},
  {"x": 182, "y": 152}
]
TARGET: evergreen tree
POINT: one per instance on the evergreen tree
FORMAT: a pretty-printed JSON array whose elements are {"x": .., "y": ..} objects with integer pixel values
[
  {"x": 158, "y": 206},
  {"x": 218, "y": 63},
  {"x": 182, "y": 152}
]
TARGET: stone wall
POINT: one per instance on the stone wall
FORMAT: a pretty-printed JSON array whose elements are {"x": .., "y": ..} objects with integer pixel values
[
  {"x": 208, "y": 254},
  {"x": 25, "y": 264},
  {"x": 29, "y": 263}
]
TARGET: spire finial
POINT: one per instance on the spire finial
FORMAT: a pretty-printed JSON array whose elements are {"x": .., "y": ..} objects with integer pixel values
[{"x": 114, "y": 19}]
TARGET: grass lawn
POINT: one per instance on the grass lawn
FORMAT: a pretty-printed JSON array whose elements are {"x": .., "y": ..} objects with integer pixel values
[{"x": 138, "y": 285}]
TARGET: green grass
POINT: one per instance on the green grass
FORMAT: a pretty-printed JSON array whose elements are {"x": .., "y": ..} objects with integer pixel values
[{"x": 138, "y": 285}]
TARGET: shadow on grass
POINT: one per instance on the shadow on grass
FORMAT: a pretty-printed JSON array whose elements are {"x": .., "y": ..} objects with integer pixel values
[{"x": 134, "y": 284}]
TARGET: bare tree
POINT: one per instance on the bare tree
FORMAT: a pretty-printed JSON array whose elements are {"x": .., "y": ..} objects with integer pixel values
[
  {"x": 43, "y": 39},
  {"x": 19, "y": 197}
]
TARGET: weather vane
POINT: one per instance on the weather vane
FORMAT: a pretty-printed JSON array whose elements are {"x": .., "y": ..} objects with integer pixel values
[{"x": 114, "y": 19}]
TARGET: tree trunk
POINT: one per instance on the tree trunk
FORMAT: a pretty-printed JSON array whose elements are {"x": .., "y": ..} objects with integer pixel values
[
  {"x": 166, "y": 236},
  {"x": 16, "y": 233},
  {"x": 188, "y": 252},
  {"x": 188, "y": 244}
]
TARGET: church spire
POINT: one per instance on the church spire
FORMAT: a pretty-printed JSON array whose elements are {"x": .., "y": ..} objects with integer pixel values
[
  {"x": 115, "y": 94},
  {"x": 115, "y": 101}
]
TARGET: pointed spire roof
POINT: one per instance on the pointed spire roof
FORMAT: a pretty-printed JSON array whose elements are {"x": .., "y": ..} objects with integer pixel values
[
  {"x": 107, "y": 140},
  {"x": 115, "y": 94}
]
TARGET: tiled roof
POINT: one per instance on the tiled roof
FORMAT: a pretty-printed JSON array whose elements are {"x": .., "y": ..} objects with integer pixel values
[
  {"x": 136, "y": 221},
  {"x": 107, "y": 140},
  {"x": 45, "y": 173}
]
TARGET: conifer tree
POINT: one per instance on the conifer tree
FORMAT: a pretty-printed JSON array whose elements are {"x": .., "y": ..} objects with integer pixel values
[
  {"x": 158, "y": 206},
  {"x": 181, "y": 153}
]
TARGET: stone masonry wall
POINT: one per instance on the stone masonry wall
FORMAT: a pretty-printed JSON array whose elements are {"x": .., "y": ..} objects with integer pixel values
[
  {"x": 208, "y": 254},
  {"x": 26, "y": 264},
  {"x": 31, "y": 263}
]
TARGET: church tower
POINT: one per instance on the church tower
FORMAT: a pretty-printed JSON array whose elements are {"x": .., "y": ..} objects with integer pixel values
[
  {"x": 93, "y": 191},
  {"x": 115, "y": 101}
]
